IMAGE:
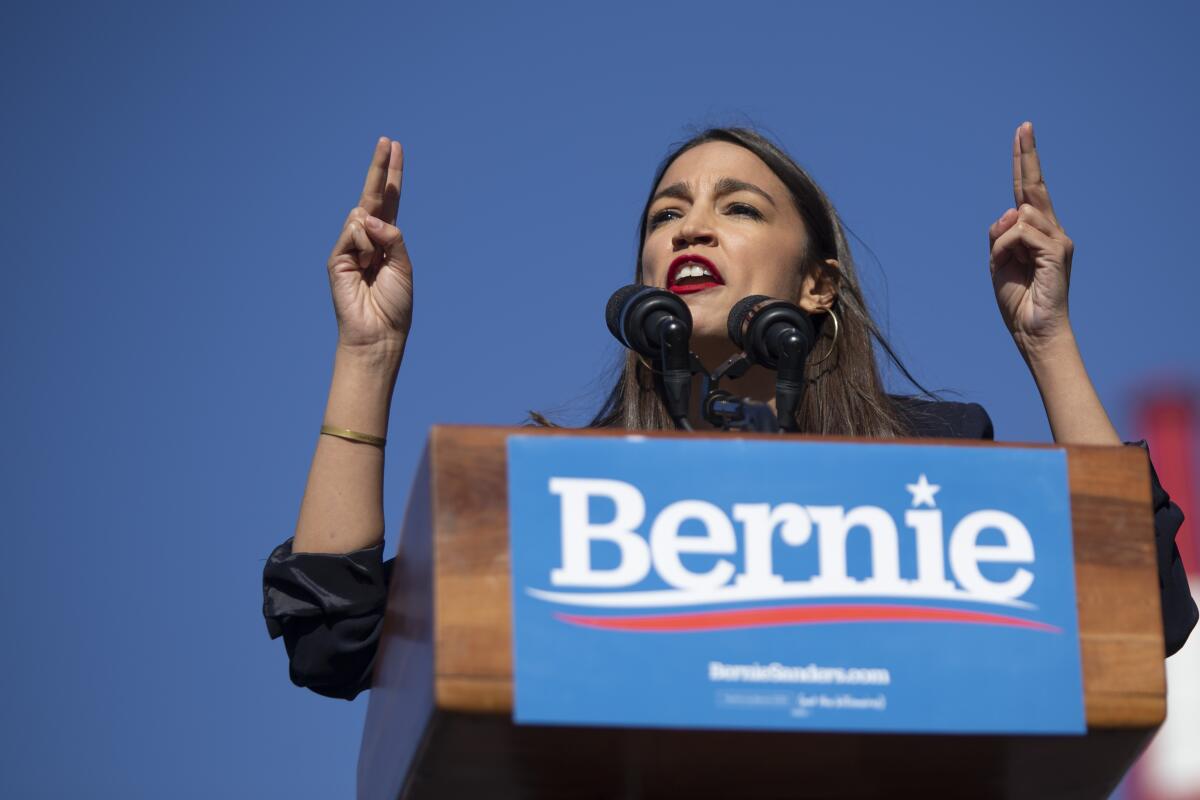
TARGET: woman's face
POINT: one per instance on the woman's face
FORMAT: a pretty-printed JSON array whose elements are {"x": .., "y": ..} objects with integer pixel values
[{"x": 721, "y": 226}]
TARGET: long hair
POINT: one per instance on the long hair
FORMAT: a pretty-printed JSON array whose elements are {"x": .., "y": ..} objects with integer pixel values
[{"x": 844, "y": 394}]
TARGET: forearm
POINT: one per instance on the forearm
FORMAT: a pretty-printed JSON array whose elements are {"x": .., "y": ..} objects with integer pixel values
[
  {"x": 342, "y": 509},
  {"x": 1073, "y": 408}
]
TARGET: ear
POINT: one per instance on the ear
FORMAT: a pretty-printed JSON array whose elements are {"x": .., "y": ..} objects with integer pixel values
[{"x": 819, "y": 288}]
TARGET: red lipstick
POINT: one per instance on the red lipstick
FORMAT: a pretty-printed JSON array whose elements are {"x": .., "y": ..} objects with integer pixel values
[{"x": 689, "y": 259}]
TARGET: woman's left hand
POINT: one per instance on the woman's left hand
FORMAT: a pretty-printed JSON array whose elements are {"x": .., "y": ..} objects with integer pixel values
[{"x": 1031, "y": 256}]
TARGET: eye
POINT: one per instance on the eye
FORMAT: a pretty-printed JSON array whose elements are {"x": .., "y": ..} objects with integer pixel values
[
  {"x": 661, "y": 216},
  {"x": 745, "y": 210}
]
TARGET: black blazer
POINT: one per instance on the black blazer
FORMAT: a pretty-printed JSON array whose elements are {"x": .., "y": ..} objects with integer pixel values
[{"x": 329, "y": 608}]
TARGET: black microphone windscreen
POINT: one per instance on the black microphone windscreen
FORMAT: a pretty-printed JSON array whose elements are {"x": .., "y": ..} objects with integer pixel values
[
  {"x": 738, "y": 314},
  {"x": 616, "y": 303}
]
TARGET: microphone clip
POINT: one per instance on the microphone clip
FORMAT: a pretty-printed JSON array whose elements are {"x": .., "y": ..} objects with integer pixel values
[{"x": 723, "y": 410}]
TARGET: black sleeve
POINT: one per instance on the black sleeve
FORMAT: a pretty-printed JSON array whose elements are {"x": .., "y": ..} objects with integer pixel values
[
  {"x": 1178, "y": 607},
  {"x": 940, "y": 419},
  {"x": 329, "y": 609},
  {"x": 977, "y": 421}
]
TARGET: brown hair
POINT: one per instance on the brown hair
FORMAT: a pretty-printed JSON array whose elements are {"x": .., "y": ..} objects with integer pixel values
[{"x": 845, "y": 395}]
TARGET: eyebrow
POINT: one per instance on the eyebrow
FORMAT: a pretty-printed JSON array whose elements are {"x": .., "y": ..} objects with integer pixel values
[{"x": 683, "y": 190}]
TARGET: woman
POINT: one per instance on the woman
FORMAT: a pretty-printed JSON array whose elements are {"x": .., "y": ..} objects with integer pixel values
[{"x": 730, "y": 215}]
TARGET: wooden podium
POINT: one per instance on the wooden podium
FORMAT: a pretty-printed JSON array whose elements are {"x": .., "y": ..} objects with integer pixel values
[{"x": 439, "y": 722}]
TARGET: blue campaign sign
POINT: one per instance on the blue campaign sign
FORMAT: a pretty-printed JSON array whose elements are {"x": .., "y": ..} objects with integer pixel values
[{"x": 799, "y": 585}]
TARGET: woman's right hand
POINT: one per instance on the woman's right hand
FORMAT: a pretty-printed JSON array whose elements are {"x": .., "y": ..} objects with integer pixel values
[{"x": 370, "y": 275}]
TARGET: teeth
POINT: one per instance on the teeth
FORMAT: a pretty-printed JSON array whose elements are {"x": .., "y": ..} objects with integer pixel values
[{"x": 693, "y": 271}]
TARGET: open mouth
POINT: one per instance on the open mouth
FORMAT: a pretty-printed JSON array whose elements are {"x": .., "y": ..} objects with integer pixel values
[{"x": 690, "y": 273}]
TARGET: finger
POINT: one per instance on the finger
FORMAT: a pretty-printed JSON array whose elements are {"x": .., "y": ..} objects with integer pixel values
[
  {"x": 997, "y": 228},
  {"x": 373, "y": 186},
  {"x": 393, "y": 183},
  {"x": 999, "y": 260},
  {"x": 345, "y": 253},
  {"x": 366, "y": 250},
  {"x": 1007, "y": 248},
  {"x": 1030, "y": 215},
  {"x": 353, "y": 248},
  {"x": 1018, "y": 242},
  {"x": 390, "y": 240},
  {"x": 345, "y": 240},
  {"x": 1018, "y": 190},
  {"x": 344, "y": 243},
  {"x": 1031, "y": 180}
]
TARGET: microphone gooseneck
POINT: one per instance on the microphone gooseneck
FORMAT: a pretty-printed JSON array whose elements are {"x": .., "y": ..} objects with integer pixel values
[
  {"x": 657, "y": 325},
  {"x": 777, "y": 335}
]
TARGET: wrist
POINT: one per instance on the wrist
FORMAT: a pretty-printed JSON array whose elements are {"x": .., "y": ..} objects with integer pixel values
[
  {"x": 370, "y": 378},
  {"x": 360, "y": 394},
  {"x": 1050, "y": 353},
  {"x": 382, "y": 358},
  {"x": 1073, "y": 407}
]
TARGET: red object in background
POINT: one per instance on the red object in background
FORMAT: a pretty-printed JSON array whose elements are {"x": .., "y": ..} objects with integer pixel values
[
  {"x": 1166, "y": 419},
  {"x": 1170, "y": 768}
]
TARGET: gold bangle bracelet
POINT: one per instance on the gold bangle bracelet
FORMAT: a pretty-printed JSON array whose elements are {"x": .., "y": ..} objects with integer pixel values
[{"x": 354, "y": 436}]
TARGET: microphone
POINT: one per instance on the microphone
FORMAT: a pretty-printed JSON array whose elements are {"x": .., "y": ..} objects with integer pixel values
[
  {"x": 657, "y": 324},
  {"x": 778, "y": 335}
]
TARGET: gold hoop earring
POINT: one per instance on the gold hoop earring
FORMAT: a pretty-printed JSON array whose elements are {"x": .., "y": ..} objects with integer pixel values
[
  {"x": 836, "y": 330},
  {"x": 648, "y": 365}
]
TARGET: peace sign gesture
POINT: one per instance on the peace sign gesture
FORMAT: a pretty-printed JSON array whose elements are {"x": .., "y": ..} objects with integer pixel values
[
  {"x": 370, "y": 275},
  {"x": 1030, "y": 254}
]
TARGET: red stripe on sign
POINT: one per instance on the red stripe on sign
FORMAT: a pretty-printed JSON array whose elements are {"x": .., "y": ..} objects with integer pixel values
[{"x": 798, "y": 615}]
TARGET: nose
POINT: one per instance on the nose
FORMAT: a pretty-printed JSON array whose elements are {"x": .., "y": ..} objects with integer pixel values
[{"x": 695, "y": 228}]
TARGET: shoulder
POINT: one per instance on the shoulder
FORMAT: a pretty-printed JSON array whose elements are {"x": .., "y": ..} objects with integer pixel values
[{"x": 944, "y": 419}]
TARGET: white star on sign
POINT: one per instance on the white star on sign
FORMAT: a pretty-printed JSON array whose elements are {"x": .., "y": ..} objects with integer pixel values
[{"x": 923, "y": 492}]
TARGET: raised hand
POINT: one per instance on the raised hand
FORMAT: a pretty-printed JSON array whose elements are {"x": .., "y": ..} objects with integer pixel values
[
  {"x": 370, "y": 274},
  {"x": 1030, "y": 255}
]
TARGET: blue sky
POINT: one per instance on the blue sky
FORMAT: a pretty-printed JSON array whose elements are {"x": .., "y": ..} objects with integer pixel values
[{"x": 174, "y": 177}]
